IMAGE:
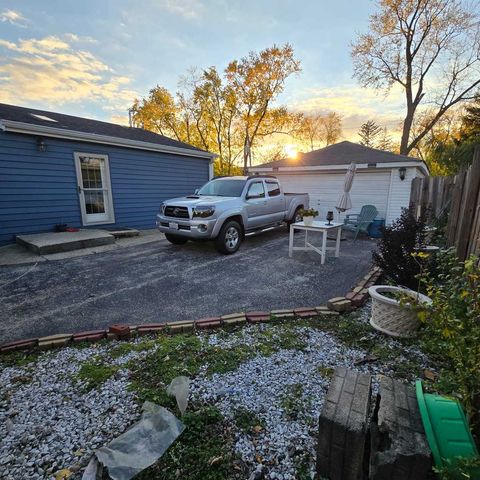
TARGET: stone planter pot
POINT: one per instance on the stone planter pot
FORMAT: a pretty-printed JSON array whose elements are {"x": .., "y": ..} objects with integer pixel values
[
  {"x": 308, "y": 220},
  {"x": 391, "y": 318}
]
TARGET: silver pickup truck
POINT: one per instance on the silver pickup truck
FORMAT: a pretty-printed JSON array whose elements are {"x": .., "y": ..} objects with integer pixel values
[{"x": 228, "y": 208}]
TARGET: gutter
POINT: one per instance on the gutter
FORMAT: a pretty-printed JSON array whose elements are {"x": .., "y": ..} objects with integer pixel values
[{"x": 29, "y": 129}]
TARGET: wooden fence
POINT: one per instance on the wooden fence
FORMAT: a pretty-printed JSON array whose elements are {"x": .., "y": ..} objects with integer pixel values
[{"x": 457, "y": 197}]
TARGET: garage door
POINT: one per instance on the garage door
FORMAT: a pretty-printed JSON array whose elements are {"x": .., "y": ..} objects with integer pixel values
[{"x": 369, "y": 188}]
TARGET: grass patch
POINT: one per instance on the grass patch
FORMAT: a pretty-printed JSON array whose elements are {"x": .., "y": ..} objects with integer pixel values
[
  {"x": 202, "y": 452},
  {"x": 93, "y": 374},
  {"x": 246, "y": 420},
  {"x": 292, "y": 400},
  {"x": 127, "y": 347},
  {"x": 18, "y": 359},
  {"x": 324, "y": 371}
]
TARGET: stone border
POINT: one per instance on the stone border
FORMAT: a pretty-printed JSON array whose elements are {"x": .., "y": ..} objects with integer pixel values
[{"x": 355, "y": 298}]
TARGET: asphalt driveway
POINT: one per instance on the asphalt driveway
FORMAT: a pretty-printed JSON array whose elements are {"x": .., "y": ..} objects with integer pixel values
[{"x": 160, "y": 282}]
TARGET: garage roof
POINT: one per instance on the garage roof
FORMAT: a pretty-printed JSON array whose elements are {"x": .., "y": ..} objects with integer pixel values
[
  {"x": 40, "y": 122},
  {"x": 342, "y": 153}
]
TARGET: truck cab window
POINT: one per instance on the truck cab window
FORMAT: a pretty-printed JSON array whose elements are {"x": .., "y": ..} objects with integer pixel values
[{"x": 273, "y": 188}]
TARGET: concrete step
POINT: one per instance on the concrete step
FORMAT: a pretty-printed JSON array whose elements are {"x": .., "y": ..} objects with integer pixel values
[{"x": 55, "y": 242}]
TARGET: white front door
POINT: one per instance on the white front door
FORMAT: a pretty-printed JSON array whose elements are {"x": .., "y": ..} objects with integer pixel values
[{"x": 94, "y": 190}]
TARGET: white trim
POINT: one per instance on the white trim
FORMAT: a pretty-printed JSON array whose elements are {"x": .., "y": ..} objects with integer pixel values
[
  {"x": 27, "y": 128},
  {"x": 107, "y": 186},
  {"x": 360, "y": 166}
]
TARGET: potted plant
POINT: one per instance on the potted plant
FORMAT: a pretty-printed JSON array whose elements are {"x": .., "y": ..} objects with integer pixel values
[
  {"x": 401, "y": 259},
  {"x": 308, "y": 215}
]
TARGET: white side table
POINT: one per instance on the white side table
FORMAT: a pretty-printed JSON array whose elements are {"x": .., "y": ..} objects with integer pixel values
[{"x": 316, "y": 226}]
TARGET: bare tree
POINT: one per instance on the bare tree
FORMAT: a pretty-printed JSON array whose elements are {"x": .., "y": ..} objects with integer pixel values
[
  {"x": 431, "y": 48},
  {"x": 319, "y": 130},
  {"x": 332, "y": 127}
]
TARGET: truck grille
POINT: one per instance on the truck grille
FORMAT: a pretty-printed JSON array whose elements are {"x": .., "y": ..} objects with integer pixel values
[{"x": 177, "y": 212}]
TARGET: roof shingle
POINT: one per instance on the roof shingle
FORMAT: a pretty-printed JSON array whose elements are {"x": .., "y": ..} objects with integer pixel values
[
  {"x": 86, "y": 125},
  {"x": 342, "y": 153}
]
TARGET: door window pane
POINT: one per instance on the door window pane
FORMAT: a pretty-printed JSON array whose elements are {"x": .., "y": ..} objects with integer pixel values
[
  {"x": 273, "y": 189},
  {"x": 94, "y": 202},
  {"x": 92, "y": 172},
  {"x": 256, "y": 190}
]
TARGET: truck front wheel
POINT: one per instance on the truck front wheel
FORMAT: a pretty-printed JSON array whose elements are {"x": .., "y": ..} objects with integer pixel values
[
  {"x": 176, "y": 239},
  {"x": 230, "y": 237}
]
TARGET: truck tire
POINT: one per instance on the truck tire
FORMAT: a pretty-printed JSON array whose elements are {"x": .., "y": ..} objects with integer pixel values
[
  {"x": 229, "y": 238},
  {"x": 176, "y": 239},
  {"x": 297, "y": 216}
]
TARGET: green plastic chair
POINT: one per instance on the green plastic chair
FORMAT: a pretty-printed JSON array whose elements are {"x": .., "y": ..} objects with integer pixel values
[{"x": 359, "y": 222}]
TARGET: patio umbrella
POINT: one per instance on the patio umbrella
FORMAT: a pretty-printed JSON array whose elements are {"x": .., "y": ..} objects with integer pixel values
[{"x": 344, "y": 202}]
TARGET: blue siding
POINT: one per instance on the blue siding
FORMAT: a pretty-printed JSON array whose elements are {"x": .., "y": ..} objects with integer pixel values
[{"x": 39, "y": 190}]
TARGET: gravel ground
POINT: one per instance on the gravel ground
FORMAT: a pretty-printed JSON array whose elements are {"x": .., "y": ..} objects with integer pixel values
[{"x": 48, "y": 421}]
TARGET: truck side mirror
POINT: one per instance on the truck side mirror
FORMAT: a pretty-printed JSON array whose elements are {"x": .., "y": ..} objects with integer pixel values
[{"x": 196, "y": 191}]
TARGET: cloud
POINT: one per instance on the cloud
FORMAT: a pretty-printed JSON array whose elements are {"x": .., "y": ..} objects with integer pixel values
[
  {"x": 52, "y": 71},
  {"x": 13, "y": 17},
  {"x": 187, "y": 8},
  {"x": 355, "y": 104}
]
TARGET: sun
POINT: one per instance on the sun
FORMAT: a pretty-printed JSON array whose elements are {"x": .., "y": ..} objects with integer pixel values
[{"x": 291, "y": 151}]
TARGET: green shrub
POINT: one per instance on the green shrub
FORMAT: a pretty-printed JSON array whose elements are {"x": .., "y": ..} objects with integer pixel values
[
  {"x": 395, "y": 248},
  {"x": 452, "y": 328}
]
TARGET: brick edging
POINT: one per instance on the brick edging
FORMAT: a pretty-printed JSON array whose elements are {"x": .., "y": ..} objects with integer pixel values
[{"x": 335, "y": 306}]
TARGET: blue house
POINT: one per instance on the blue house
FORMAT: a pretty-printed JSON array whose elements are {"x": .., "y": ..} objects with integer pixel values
[{"x": 59, "y": 169}]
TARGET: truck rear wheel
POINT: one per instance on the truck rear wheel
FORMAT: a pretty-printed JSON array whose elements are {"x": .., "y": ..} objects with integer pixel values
[
  {"x": 297, "y": 216},
  {"x": 229, "y": 238},
  {"x": 176, "y": 239}
]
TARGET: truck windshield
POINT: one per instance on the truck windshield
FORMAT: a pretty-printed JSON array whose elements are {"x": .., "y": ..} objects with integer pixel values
[{"x": 223, "y": 187}]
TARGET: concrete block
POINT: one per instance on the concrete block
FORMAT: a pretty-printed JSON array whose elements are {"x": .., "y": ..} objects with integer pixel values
[
  {"x": 256, "y": 317},
  {"x": 179, "y": 327},
  {"x": 206, "y": 323},
  {"x": 52, "y": 341},
  {"x": 54, "y": 242},
  {"x": 19, "y": 345},
  {"x": 150, "y": 328},
  {"x": 282, "y": 313},
  {"x": 360, "y": 290},
  {"x": 324, "y": 310},
  {"x": 89, "y": 336},
  {"x": 339, "y": 304},
  {"x": 343, "y": 426},
  {"x": 234, "y": 319},
  {"x": 398, "y": 448},
  {"x": 305, "y": 312}
]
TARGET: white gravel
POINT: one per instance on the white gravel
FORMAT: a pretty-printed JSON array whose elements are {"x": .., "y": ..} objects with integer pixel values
[{"x": 48, "y": 422}]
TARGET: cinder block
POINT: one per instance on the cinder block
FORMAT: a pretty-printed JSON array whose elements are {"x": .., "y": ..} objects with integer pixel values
[
  {"x": 343, "y": 426},
  {"x": 52, "y": 341},
  {"x": 206, "y": 323},
  {"x": 398, "y": 448},
  {"x": 282, "y": 313},
  {"x": 256, "y": 317}
]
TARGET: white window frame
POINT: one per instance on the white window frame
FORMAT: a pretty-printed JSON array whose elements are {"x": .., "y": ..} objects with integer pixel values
[{"x": 107, "y": 186}]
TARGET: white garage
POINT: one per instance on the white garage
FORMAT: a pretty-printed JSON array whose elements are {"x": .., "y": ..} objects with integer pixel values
[{"x": 382, "y": 178}]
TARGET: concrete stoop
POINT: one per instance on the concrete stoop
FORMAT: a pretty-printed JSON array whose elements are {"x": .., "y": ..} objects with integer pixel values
[
  {"x": 394, "y": 447},
  {"x": 55, "y": 242}
]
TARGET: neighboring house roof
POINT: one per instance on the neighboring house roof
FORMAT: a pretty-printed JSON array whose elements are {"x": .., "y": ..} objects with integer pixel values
[
  {"x": 51, "y": 124},
  {"x": 339, "y": 155}
]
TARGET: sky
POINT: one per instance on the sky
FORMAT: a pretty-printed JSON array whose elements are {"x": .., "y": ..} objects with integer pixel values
[{"x": 92, "y": 58}]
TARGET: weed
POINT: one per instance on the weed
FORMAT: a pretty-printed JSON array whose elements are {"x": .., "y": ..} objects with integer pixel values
[
  {"x": 202, "y": 452},
  {"x": 93, "y": 374},
  {"x": 324, "y": 371},
  {"x": 292, "y": 400},
  {"x": 246, "y": 420}
]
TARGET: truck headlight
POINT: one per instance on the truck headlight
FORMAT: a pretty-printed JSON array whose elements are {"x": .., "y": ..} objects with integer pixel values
[{"x": 203, "y": 211}]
